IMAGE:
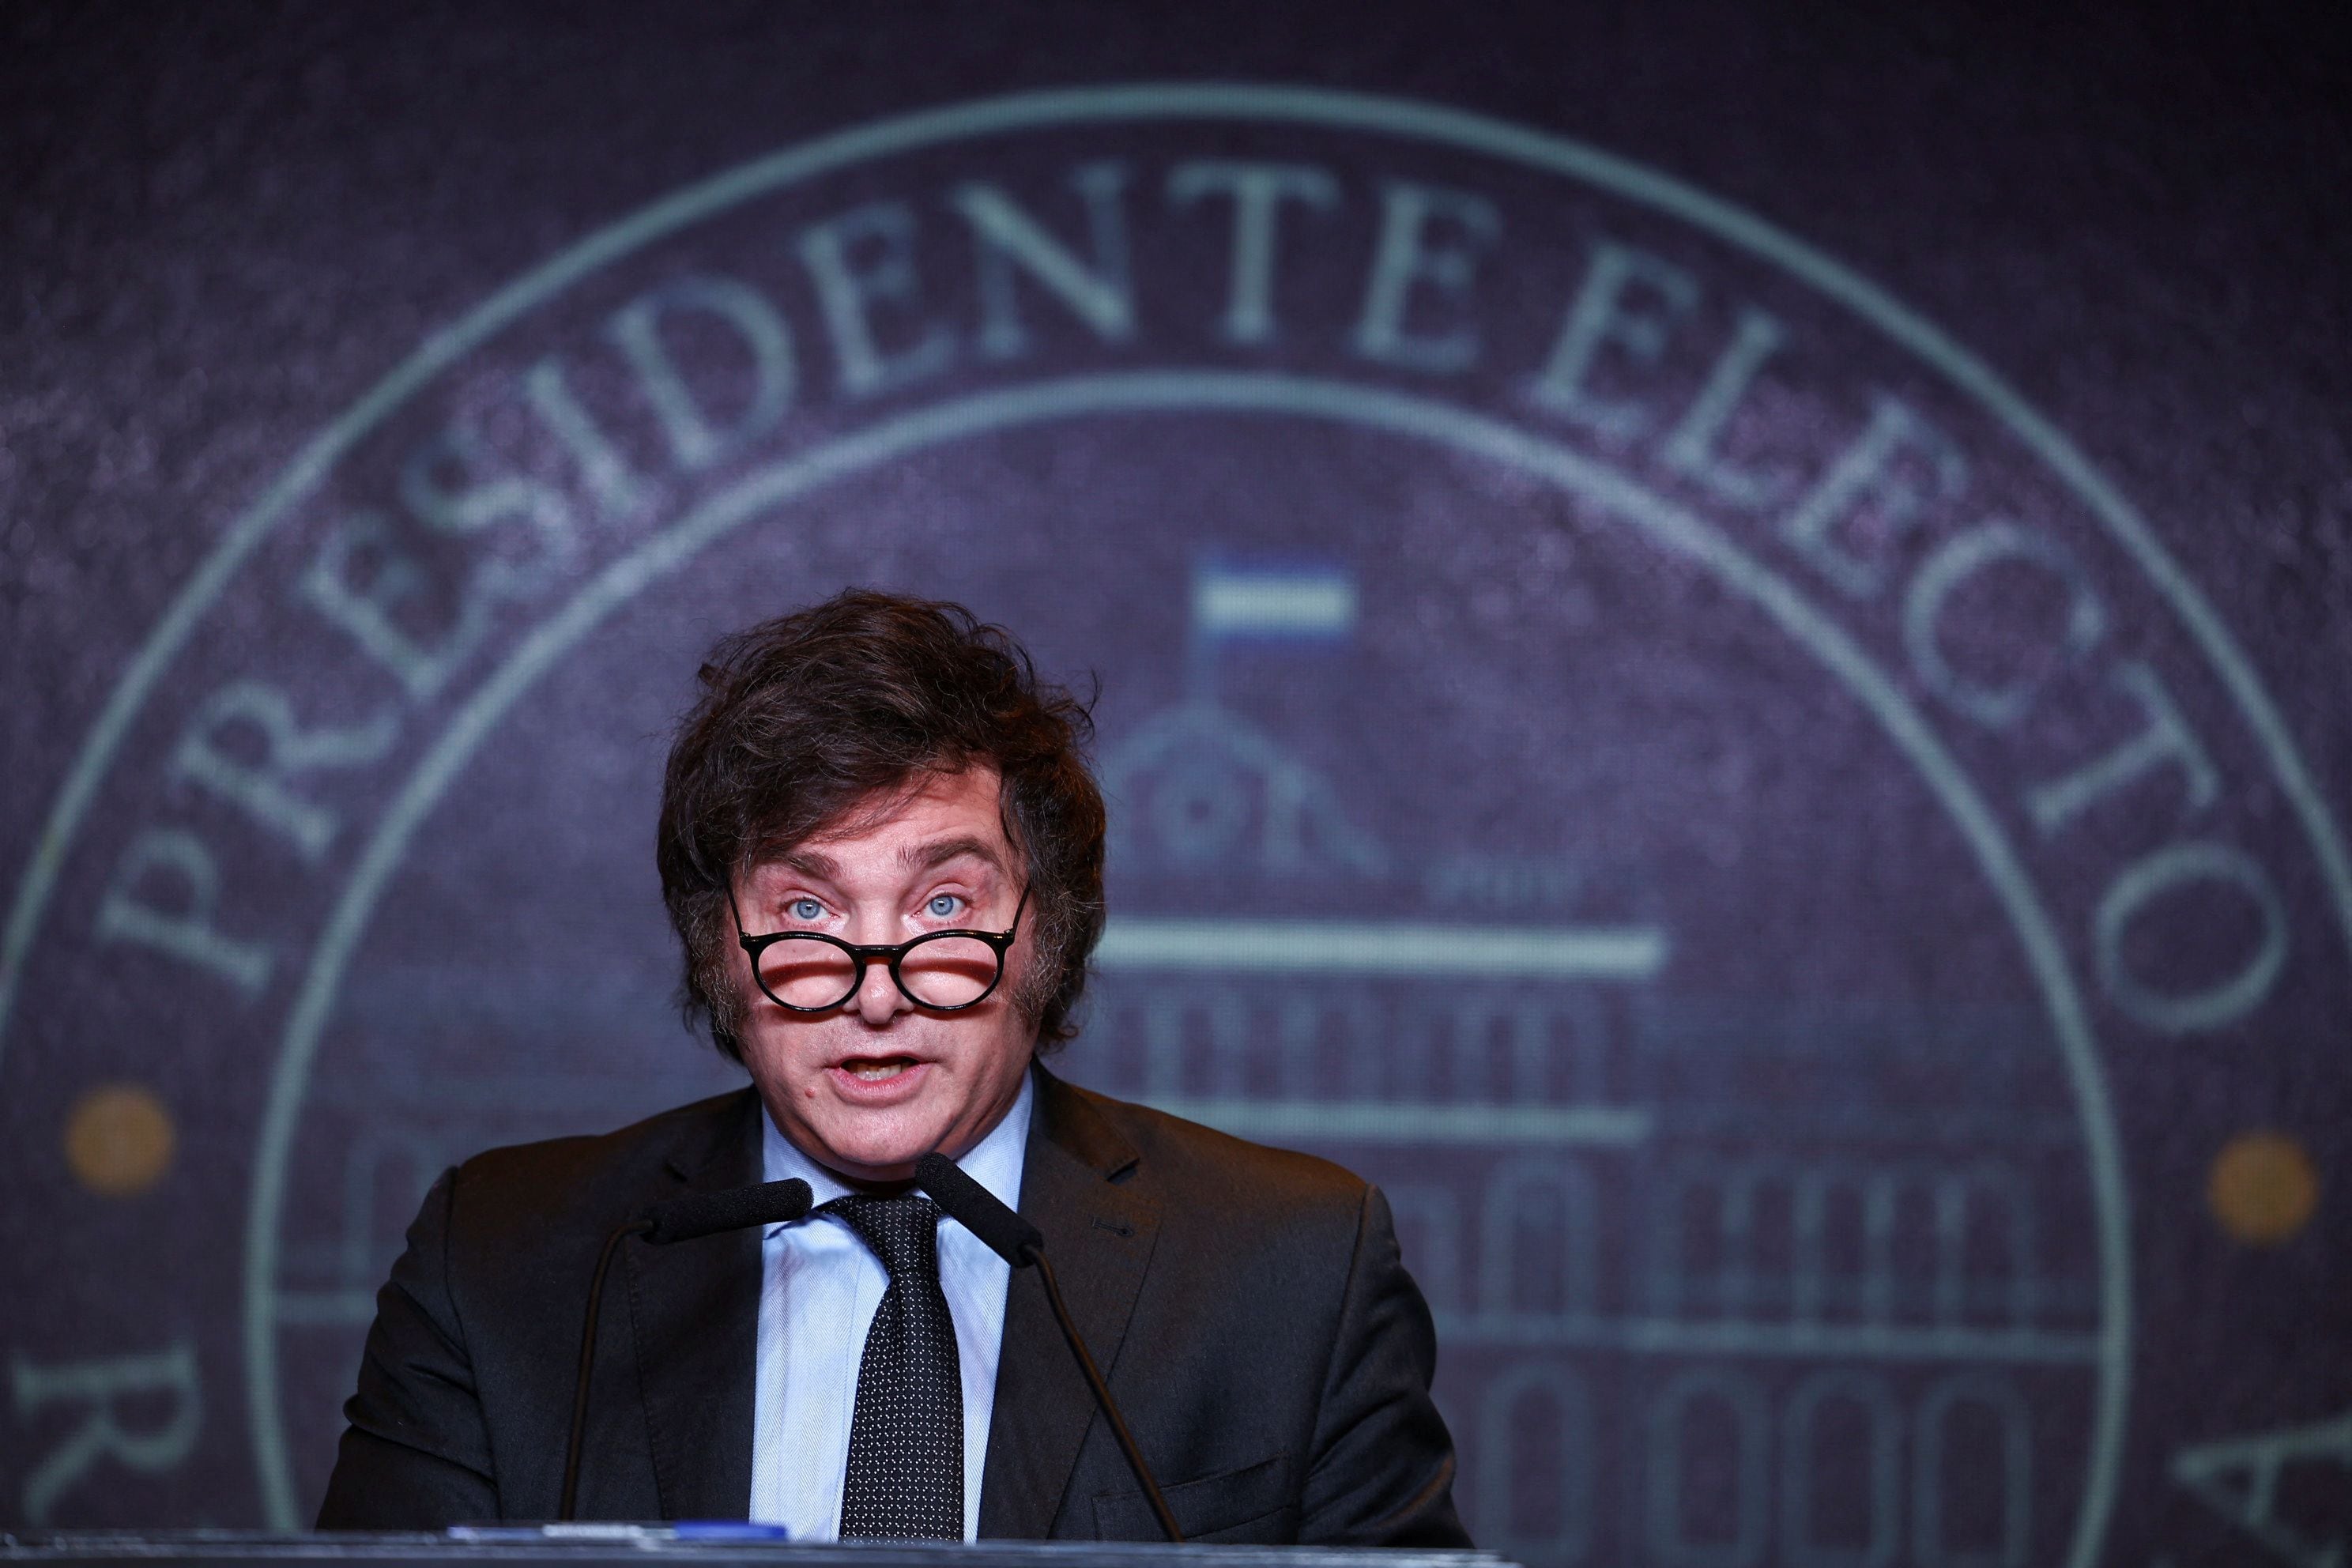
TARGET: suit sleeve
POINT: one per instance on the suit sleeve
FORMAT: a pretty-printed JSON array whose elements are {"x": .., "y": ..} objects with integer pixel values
[
  {"x": 1382, "y": 1470},
  {"x": 416, "y": 1453}
]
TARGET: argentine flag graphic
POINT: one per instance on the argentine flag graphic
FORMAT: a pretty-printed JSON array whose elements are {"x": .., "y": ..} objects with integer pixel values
[{"x": 1291, "y": 600}]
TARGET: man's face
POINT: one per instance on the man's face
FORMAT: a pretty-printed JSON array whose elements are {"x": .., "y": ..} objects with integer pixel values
[{"x": 871, "y": 1086}]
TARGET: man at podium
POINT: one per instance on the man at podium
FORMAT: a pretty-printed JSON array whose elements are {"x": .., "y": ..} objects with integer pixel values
[{"x": 882, "y": 850}]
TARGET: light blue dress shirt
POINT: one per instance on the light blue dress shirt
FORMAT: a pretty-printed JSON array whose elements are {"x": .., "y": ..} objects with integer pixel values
[{"x": 819, "y": 1287}]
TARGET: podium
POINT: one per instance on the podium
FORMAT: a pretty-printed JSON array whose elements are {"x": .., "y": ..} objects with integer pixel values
[{"x": 659, "y": 1546}]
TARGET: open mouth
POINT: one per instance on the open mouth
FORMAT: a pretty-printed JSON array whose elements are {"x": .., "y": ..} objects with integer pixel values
[{"x": 877, "y": 1070}]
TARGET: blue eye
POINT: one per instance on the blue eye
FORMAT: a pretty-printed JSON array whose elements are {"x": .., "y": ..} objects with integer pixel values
[
  {"x": 804, "y": 910},
  {"x": 943, "y": 906}
]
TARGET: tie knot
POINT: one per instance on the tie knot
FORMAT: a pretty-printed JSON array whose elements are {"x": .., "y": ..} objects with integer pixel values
[{"x": 903, "y": 1232}]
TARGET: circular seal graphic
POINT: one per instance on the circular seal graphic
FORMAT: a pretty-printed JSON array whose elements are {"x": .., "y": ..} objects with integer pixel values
[{"x": 1616, "y": 729}]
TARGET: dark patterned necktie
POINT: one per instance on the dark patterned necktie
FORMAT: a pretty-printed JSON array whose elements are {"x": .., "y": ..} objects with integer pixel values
[{"x": 905, "y": 1480}]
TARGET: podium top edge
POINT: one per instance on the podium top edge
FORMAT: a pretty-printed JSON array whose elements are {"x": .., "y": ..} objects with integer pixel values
[{"x": 150, "y": 1548}]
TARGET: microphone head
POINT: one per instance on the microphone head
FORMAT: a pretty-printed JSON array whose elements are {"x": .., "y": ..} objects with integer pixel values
[
  {"x": 978, "y": 1210},
  {"x": 706, "y": 1213}
]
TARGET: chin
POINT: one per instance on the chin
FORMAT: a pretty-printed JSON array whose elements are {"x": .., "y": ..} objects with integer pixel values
[{"x": 894, "y": 1151}]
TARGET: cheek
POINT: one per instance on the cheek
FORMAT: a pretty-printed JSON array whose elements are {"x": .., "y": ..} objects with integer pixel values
[
  {"x": 777, "y": 1050},
  {"x": 1015, "y": 1044}
]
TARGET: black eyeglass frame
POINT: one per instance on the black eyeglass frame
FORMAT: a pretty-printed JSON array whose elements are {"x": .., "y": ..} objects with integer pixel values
[{"x": 893, "y": 954}]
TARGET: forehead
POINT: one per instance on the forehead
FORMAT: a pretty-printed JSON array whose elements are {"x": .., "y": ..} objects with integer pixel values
[{"x": 935, "y": 816}]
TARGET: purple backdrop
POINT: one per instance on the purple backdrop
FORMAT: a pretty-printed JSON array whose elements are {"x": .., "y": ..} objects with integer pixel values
[{"x": 1720, "y": 632}]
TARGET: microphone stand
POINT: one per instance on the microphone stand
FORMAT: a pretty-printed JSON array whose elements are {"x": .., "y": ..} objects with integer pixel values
[
  {"x": 588, "y": 1362},
  {"x": 1127, "y": 1445},
  {"x": 1022, "y": 1246},
  {"x": 674, "y": 1219}
]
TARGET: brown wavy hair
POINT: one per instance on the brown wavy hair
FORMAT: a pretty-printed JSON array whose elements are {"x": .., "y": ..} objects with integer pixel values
[{"x": 804, "y": 718}]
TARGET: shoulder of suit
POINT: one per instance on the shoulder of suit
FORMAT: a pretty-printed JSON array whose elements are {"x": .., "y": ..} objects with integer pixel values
[
  {"x": 1221, "y": 1170},
  {"x": 590, "y": 1177}
]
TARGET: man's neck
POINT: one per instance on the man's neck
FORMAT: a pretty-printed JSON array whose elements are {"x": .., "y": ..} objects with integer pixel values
[{"x": 995, "y": 1160}]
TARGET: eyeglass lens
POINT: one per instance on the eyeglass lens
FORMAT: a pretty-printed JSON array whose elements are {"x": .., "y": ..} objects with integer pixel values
[{"x": 937, "y": 972}]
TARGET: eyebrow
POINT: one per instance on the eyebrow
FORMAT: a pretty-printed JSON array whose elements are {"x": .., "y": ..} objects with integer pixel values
[
  {"x": 813, "y": 863},
  {"x": 924, "y": 856},
  {"x": 917, "y": 856}
]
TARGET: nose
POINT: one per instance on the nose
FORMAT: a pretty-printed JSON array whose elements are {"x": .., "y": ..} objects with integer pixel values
[{"x": 878, "y": 999}]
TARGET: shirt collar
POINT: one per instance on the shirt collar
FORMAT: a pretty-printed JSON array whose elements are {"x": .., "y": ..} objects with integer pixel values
[{"x": 994, "y": 1162}]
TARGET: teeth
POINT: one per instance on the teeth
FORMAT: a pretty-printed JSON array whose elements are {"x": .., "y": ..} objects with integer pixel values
[{"x": 873, "y": 1072}]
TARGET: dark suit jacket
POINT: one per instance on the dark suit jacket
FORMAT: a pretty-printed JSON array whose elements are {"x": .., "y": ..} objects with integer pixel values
[{"x": 1248, "y": 1306}]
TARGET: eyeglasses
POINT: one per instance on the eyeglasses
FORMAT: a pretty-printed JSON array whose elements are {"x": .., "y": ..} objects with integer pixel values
[{"x": 945, "y": 971}]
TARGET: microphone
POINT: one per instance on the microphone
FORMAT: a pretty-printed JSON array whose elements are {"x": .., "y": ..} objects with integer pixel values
[
  {"x": 674, "y": 1219},
  {"x": 1021, "y": 1244},
  {"x": 706, "y": 1214},
  {"x": 980, "y": 1210}
]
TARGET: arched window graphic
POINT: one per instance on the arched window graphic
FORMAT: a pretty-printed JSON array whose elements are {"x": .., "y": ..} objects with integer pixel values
[
  {"x": 1825, "y": 1243},
  {"x": 1502, "y": 1043},
  {"x": 1815, "y": 1471},
  {"x": 1538, "y": 1227},
  {"x": 1195, "y": 1041},
  {"x": 1699, "y": 1250},
  {"x": 1846, "y": 1218},
  {"x": 1417, "y": 1047},
  {"x": 1712, "y": 1415},
  {"x": 1945, "y": 1466},
  {"x": 1984, "y": 1203},
  {"x": 1328, "y": 1035},
  {"x": 1535, "y": 1514}
]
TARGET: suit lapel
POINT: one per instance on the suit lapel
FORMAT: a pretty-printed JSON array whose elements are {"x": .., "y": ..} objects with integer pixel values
[
  {"x": 1099, "y": 1233},
  {"x": 695, "y": 1309}
]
